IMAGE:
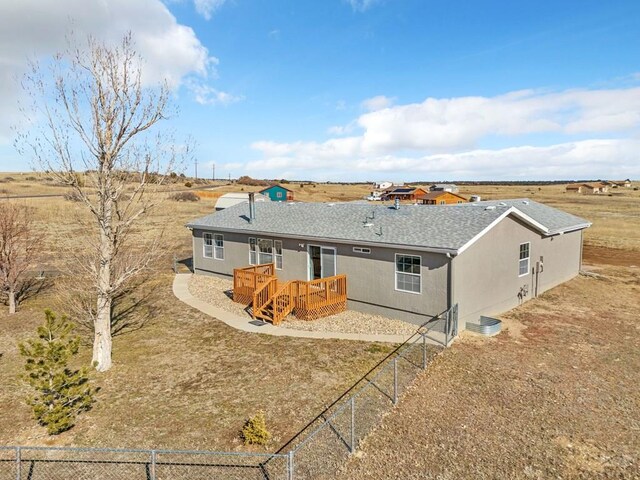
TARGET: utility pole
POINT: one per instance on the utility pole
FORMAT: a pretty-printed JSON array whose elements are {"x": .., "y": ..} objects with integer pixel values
[
  {"x": 213, "y": 172},
  {"x": 196, "y": 162}
]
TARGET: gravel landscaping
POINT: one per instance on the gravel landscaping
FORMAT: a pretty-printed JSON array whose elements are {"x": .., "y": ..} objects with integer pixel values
[{"x": 212, "y": 290}]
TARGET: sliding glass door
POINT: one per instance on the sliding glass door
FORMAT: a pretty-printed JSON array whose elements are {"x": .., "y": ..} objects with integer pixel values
[{"x": 322, "y": 262}]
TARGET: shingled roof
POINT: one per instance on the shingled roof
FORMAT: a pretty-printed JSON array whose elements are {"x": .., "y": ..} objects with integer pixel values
[{"x": 449, "y": 228}]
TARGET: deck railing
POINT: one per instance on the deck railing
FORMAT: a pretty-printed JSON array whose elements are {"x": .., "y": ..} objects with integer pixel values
[
  {"x": 321, "y": 298},
  {"x": 249, "y": 279},
  {"x": 258, "y": 286}
]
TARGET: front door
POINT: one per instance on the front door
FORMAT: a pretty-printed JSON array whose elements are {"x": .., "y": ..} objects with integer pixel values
[{"x": 322, "y": 262}]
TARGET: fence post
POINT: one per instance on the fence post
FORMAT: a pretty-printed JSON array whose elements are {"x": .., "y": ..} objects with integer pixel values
[
  {"x": 18, "y": 463},
  {"x": 175, "y": 263},
  {"x": 290, "y": 465},
  {"x": 446, "y": 328},
  {"x": 395, "y": 380},
  {"x": 424, "y": 351},
  {"x": 353, "y": 424},
  {"x": 152, "y": 467}
]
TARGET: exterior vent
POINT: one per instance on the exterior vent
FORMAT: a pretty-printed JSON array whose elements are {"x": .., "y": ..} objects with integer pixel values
[{"x": 490, "y": 207}]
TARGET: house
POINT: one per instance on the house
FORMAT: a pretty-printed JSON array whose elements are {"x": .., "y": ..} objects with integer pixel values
[
  {"x": 444, "y": 187},
  {"x": 383, "y": 185},
  {"x": 230, "y": 199},
  {"x": 405, "y": 261},
  {"x": 440, "y": 198},
  {"x": 277, "y": 193},
  {"x": 620, "y": 183},
  {"x": 403, "y": 193},
  {"x": 587, "y": 188}
]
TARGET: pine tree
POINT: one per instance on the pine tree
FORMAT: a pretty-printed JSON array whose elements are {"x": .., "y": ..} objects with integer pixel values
[{"x": 61, "y": 393}]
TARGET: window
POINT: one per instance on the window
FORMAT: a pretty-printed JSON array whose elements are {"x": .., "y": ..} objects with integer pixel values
[
  {"x": 277, "y": 252},
  {"x": 265, "y": 250},
  {"x": 408, "y": 277},
  {"x": 207, "y": 250},
  {"x": 253, "y": 251},
  {"x": 443, "y": 202},
  {"x": 218, "y": 247},
  {"x": 523, "y": 263},
  {"x": 459, "y": 201},
  {"x": 361, "y": 250},
  {"x": 278, "y": 194}
]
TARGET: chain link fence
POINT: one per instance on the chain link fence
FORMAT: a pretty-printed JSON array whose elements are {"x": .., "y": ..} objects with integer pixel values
[
  {"x": 316, "y": 452},
  {"x": 49, "y": 463}
]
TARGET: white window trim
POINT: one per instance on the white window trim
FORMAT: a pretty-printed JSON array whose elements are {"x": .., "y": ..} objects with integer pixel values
[
  {"x": 335, "y": 259},
  {"x": 204, "y": 244},
  {"x": 528, "y": 259},
  {"x": 255, "y": 252},
  {"x": 395, "y": 273},
  {"x": 276, "y": 255},
  {"x": 215, "y": 247}
]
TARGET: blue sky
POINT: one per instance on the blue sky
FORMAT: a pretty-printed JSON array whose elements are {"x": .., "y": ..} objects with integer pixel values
[{"x": 375, "y": 89}]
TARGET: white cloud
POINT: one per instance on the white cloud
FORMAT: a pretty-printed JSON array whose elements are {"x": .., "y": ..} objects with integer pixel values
[
  {"x": 32, "y": 29},
  {"x": 458, "y": 124},
  {"x": 207, "y": 8},
  {"x": 378, "y": 102},
  {"x": 361, "y": 5},
  {"x": 600, "y": 158},
  {"x": 441, "y": 136},
  {"x": 207, "y": 95}
]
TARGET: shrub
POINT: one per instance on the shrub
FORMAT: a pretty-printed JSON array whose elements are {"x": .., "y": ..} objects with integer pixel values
[
  {"x": 254, "y": 431},
  {"x": 246, "y": 180},
  {"x": 31, "y": 179},
  {"x": 72, "y": 196},
  {"x": 60, "y": 392},
  {"x": 188, "y": 184},
  {"x": 185, "y": 197}
]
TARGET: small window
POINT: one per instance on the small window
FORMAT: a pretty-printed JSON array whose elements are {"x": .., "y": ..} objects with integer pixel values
[
  {"x": 362, "y": 250},
  {"x": 253, "y": 251},
  {"x": 265, "y": 250},
  {"x": 218, "y": 247},
  {"x": 207, "y": 250},
  {"x": 459, "y": 201},
  {"x": 443, "y": 202},
  {"x": 279, "y": 194},
  {"x": 523, "y": 263},
  {"x": 408, "y": 276},
  {"x": 277, "y": 252}
]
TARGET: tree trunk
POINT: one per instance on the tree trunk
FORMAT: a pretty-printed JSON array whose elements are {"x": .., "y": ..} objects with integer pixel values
[
  {"x": 12, "y": 301},
  {"x": 102, "y": 326},
  {"x": 102, "y": 334}
]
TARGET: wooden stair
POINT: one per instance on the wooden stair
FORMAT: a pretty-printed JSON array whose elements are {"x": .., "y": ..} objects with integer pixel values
[{"x": 271, "y": 301}]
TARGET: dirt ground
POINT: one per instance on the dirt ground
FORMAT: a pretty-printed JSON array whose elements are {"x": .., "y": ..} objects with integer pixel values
[
  {"x": 555, "y": 395},
  {"x": 186, "y": 381}
]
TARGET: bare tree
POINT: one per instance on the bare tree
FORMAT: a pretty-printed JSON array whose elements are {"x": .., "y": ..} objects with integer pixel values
[
  {"x": 99, "y": 119},
  {"x": 16, "y": 249}
]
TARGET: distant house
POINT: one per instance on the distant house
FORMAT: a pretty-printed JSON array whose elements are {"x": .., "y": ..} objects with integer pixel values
[
  {"x": 408, "y": 263},
  {"x": 230, "y": 199},
  {"x": 277, "y": 193},
  {"x": 444, "y": 187},
  {"x": 620, "y": 183},
  {"x": 404, "y": 193},
  {"x": 440, "y": 198},
  {"x": 382, "y": 185},
  {"x": 587, "y": 188}
]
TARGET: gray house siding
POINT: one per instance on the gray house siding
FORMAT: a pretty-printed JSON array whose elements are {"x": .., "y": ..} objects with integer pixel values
[
  {"x": 371, "y": 278},
  {"x": 486, "y": 277}
]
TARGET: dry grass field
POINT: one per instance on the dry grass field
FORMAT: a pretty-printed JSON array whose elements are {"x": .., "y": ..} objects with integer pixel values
[{"x": 555, "y": 395}]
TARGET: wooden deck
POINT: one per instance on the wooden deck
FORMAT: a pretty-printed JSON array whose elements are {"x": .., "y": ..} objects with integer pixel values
[{"x": 272, "y": 300}]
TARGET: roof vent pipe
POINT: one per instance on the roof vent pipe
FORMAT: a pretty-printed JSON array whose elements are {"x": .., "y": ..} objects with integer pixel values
[
  {"x": 252, "y": 207},
  {"x": 396, "y": 203}
]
